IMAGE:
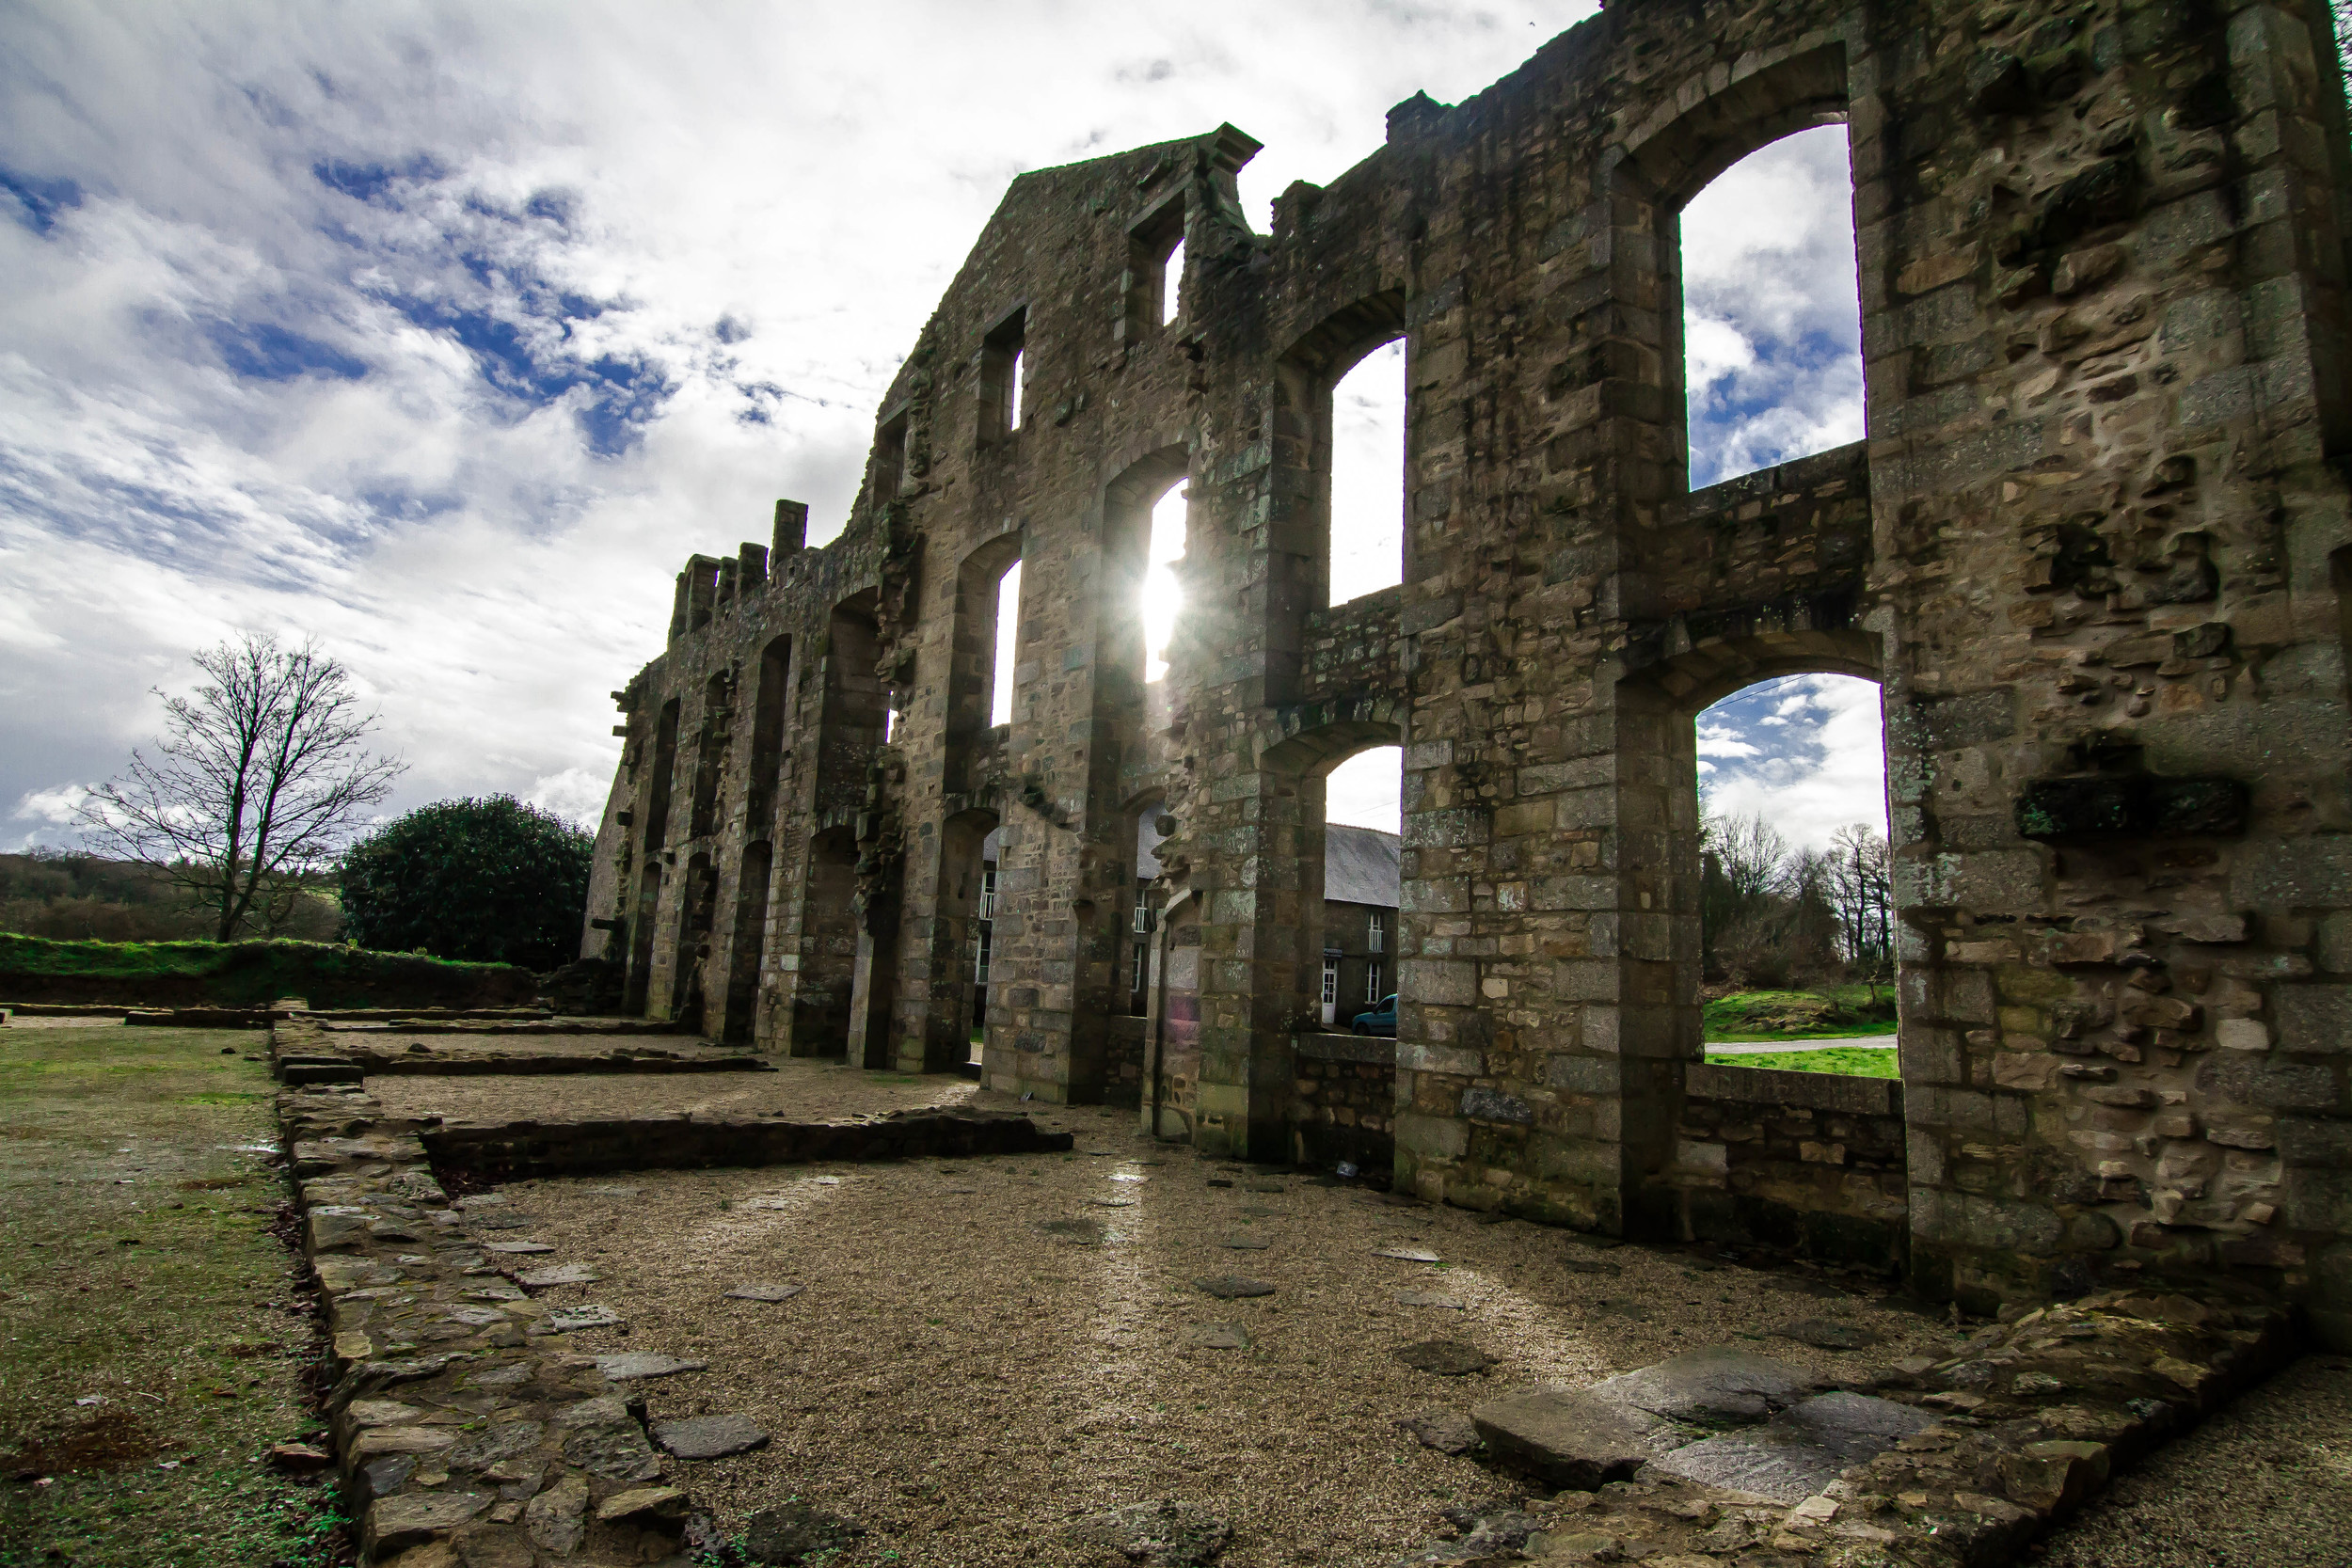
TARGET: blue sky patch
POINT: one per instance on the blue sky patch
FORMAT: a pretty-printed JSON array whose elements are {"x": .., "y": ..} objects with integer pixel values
[
  {"x": 263, "y": 351},
  {"x": 38, "y": 201}
]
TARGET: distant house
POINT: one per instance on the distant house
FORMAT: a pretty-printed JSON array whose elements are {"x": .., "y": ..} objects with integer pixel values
[
  {"x": 1360, "y": 883},
  {"x": 1362, "y": 880}
]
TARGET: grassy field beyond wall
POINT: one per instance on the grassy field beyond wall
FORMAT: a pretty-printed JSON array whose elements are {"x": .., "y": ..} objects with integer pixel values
[{"x": 248, "y": 973}]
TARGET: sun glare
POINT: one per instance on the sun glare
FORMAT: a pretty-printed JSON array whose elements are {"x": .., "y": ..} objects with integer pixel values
[{"x": 1161, "y": 597}]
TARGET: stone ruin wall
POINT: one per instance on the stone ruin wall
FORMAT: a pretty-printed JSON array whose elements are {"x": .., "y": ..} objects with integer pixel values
[{"x": 2095, "y": 550}]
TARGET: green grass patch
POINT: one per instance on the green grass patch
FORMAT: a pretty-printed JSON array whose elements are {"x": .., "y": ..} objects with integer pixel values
[
  {"x": 247, "y": 974},
  {"x": 1845, "y": 1012},
  {"x": 1861, "y": 1061},
  {"x": 138, "y": 1273}
]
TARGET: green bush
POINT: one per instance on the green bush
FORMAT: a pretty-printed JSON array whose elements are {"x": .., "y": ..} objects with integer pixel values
[{"x": 491, "y": 881}]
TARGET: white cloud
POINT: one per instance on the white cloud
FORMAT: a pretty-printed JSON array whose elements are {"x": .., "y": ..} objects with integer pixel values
[
  {"x": 1825, "y": 768},
  {"x": 1367, "y": 790},
  {"x": 260, "y": 257},
  {"x": 57, "y": 807},
  {"x": 575, "y": 793},
  {"x": 1771, "y": 309}
]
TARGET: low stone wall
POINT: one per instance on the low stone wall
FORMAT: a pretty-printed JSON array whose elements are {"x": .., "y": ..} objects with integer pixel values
[
  {"x": 1122, "y": 1067},
  {"x": 508, "y": 1152},
  {"x": 1812, "y": 1162},
  {"x": 464, "y": 1431},
  {"x": 1344, "y": 1101}
]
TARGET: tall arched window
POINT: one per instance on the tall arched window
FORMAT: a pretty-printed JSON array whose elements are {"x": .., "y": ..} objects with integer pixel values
[
  {"x": 1771, "y": 308},
  {"x": 1368, "y": 475}
]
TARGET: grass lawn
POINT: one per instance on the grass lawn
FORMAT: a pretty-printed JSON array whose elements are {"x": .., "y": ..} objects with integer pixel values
[
  {"x": 148, "y": 1355},
  {"x": 1863, "y": 1061},
  {"x": 1738, "y": 1018}
]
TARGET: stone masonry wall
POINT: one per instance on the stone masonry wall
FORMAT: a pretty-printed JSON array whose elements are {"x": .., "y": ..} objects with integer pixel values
[
  {"x": 1345, "y": 1101},
  {"x": 1809, "y": 1161},
  {"x": 2094, "y": 548}
]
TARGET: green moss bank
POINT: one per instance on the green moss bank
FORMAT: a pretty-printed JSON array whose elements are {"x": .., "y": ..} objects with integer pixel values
[{"x": 248, "y": 973}]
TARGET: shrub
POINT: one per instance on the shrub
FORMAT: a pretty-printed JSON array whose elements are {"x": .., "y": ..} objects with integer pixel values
[{"x": 491, "y": 881}]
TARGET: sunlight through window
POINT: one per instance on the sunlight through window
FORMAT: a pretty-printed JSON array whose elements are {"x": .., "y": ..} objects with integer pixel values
[
  {"x": 1368, "y": 476},
  {"x": 1162, "y": 598}
]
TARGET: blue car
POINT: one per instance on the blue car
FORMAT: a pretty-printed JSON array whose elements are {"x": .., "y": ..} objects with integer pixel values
[{"x": 1381, "y": 1019}]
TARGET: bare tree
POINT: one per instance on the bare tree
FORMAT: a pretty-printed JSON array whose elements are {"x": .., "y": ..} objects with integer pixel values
[
  {"x": 1861, "y": 889},
  {"x": 261, "y": 775}
]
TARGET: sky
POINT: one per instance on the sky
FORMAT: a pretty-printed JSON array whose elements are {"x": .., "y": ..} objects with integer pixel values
[{"x": 442, "y": 333}]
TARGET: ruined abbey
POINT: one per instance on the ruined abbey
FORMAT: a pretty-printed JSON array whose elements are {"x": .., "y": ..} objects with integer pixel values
[{"x": 2096, "y": 550}]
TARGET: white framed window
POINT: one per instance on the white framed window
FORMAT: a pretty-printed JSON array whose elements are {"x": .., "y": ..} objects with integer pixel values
[
  {"x": 1142, "y": 926},
  {"x": 979, "y": 957},
  {"x": 1142, "y": 970},
  {"x": 988, "y": 894},
  {"x": 1372, "y": 982},
  {"x": 1373, "y": 935},
  {"x": 1330, "y": 982}
]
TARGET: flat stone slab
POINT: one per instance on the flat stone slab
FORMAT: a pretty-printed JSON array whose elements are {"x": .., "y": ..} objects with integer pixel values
[
  {"x": 1231, "y": 1287},
  {"x": 1217, "y": 1337},
  {"x": 1446, "y": 1431},
  {"x": 1827, "y": 1334},
  {"x": 517, "y": 1249},
  {"x": 561, "y": 1273},
  {"x": 1408, "y": 1254},
  {"x": 568, "y": 1320},
  {"x": 1445, "y": 1357},
  {"x": 1716, "y": 1387},
  {"x": 1086, "y": 1232},
  {"x": 641, "y": 1364},
  {"x": 1430, "y": 1298},
  {"x": 708, "y": 1436},
  {"x": 795, "y": 1533},
  {"x": 1246, "y": 1243},
  {"x": 1154, "y": 1535},
  {"x": 1804, "y": 1449},
  {"x": 765, "y": 1292},
  {"x": 1566, "y": 1438}
]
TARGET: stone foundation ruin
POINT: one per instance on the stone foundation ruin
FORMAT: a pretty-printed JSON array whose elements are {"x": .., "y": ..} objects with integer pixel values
[{"x": 2095, "y": 550}]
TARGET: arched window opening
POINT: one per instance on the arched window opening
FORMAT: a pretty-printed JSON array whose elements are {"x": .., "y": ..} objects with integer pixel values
[
  {"x": 1007, "y": 657},
  {"x": 712, "y": 752},
  {"x": 1004, "y": 355},
  {"x": 1795, "y": 897},
  {"x": 1362, "y": 860},
  {"x": 664, "y": 771},
  {"x": 770, "y": 712},
  {"x": 1171, "y": 283},
  {"x": 750, "y": 944},
  {"x": 1772, "y": 333},
  {"x": 1367, "y": 544},
  {"x": 1163, "y": 598}
]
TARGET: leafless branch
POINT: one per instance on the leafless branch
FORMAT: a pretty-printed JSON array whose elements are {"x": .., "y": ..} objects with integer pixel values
[{"x": 262, "y": 774}]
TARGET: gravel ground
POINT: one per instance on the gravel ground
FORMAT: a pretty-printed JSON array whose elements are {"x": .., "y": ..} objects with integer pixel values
[
  {"x": 2266, "y": 1483},
  {"x": 963, "y": 1381},
  {"x": 808, "y": 1089}
]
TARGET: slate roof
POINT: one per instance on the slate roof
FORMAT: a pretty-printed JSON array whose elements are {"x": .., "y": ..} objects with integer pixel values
[{"x": 1361, "y": 867}]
